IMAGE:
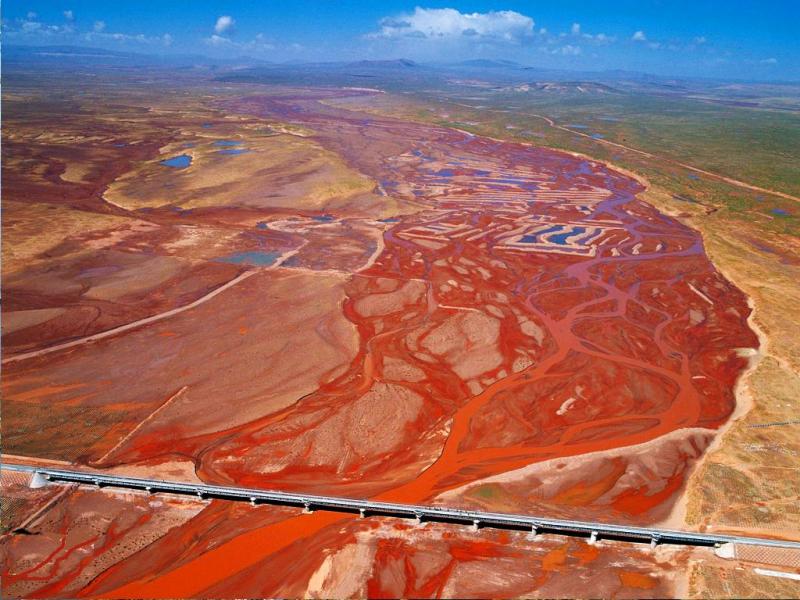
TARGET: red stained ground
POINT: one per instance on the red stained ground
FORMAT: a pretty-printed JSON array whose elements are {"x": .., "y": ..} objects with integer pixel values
[
  {"x": 649, "y": 337},
  {"x": 477, "y": 356}
]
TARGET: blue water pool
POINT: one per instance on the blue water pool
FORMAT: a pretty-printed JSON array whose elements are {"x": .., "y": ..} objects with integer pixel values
[
  {"x": 178, "y": 162},
  {"x": 256, "y": 258},
  {"x": 532, "y": 238},
  {"x": 561, "y": 238}
]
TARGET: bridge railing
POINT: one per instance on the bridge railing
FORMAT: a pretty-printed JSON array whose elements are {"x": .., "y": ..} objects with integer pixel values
[{"x": 309, "y": 502}]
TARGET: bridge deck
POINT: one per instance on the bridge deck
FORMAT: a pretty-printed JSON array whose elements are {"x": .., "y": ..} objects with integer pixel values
[{"x": 411, "y": 511}]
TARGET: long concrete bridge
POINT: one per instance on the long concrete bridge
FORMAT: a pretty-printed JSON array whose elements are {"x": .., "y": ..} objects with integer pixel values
[{"x": 42, "y": 476}]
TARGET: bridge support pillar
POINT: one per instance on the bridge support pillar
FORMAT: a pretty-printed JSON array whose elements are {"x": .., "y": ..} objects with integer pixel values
[
  {"x": 653, "y": 542},
  {"x": 148, "y": 489},
  {"x": 475, "y": 525},
  {"x": 96, "y": 482},
  {"x": 252, "y": 501},
  {"x": 362, "y": 512},
  {"x": 534, "y": 531},
  {"x": 417, "y": 518},
  {"x": 37, "y": 481},
  {"x": 307, "y": 508},
  {"x": 201, "y": 495},
  {"x": 593, "y": 538}
]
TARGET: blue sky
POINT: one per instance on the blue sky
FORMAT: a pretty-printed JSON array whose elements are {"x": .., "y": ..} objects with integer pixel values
[{"x": 734, "y": 38}]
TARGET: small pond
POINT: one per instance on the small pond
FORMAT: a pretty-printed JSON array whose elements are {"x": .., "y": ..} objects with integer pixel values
[
  {"x": 178, "y": 162},
  {"x": 257, "y": 258}
]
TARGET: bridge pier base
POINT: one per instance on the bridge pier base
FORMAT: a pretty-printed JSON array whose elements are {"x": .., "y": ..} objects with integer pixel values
[
  {"x": 362, "y": 513},
  {"x": 476, "y": 524},
  {"x": 653, "y": 542},
  {"x": 534, "y": 531},
  {"x": 417, "y": 519},
  {"x": 307, "y": 508},
  {"x": 593, "y": 538},
  {"x": 252, "y": 501},
  {"x": 37, "y": 481}
]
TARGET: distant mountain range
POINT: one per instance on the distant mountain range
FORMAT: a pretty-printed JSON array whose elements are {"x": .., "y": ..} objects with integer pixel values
[
  {"x": 492, "y": 72},
  {"x": 69, "y": 55},
  {"x": 485, "y": 63},
  {"x": 399, "y": 63}
]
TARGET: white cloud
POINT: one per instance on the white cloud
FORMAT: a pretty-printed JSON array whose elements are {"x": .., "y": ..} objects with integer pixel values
[
  {"x": 223, "y": 24},
  {"x": 218, "y": 41},
  {"x": 31, "y": 15},
  {"x": 639, "y": 36},
  {"x": 577, "y": 31},
  {"x": 769, "y": 61},
  {"x": 701, "y": 39},
  {"x": 450, "y": 24},
  {"x": 31, "y": 26},
  {"x": 600, "y": 38},
  {"x": 35, "y": 28},
  {"x": 259, "y": 44},
  {"x": 126, "y": 38},
  {"x": 568, "y": 50},
  {"x": 32, "y": 30}
]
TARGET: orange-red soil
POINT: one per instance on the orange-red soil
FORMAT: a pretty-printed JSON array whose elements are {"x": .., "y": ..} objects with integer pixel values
[{"x": 532, "y": 310}]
